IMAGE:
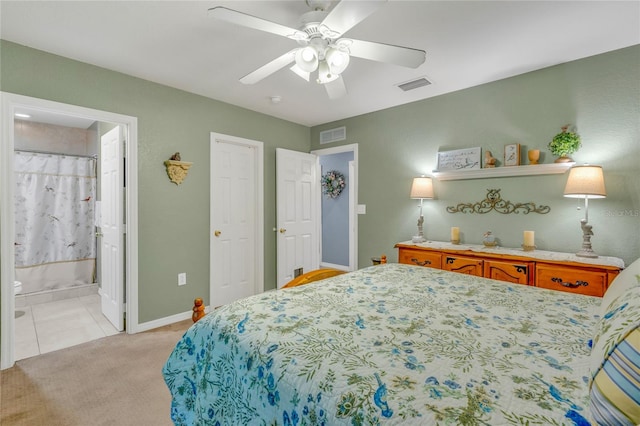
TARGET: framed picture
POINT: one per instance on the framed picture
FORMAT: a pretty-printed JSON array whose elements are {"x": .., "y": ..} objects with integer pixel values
[
  {"x": 512, "y": 154},
  {"x": 460, "y": 159}
]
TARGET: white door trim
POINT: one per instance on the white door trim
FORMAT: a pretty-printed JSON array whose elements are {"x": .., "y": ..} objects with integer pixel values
[
  {"x": 353, "y": 200},
  {"x": 259, "y": 206},
  {"x": 10, "y": 102}
]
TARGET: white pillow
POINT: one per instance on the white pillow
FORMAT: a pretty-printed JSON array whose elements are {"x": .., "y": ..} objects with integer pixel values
[{"x": 628, "y": 278}]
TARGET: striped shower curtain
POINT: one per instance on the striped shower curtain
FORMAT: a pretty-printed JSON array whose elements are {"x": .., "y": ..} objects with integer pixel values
[{"x": 55, "y": 243}]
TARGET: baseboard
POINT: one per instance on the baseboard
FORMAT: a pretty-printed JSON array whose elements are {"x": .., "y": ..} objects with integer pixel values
[{"x": 161, "y": 322}]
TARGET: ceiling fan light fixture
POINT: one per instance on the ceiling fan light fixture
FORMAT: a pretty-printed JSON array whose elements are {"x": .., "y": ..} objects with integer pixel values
[
  {"x": 324, "y": 73},
  {"x": 337, "y": 59},
  {"x": 307, "y": 59}
]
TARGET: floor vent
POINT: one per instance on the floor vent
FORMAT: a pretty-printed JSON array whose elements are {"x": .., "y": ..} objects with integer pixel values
[
  {"x": 333, "y": 135},
  {"x": 414, "y": 84}
]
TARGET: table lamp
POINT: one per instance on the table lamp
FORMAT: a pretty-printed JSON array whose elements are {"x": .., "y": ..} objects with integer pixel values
[
  {"x": 421, "y": 189},
  {"x": 585, "y": 182}
]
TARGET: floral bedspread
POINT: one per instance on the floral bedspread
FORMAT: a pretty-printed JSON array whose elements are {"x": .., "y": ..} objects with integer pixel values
[{"x": 388, "y": 344}]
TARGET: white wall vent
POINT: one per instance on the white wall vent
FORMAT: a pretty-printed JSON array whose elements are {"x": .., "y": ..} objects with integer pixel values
[
  {"x": 333, "y": 135},
  {"x": 414, "y": 84}
]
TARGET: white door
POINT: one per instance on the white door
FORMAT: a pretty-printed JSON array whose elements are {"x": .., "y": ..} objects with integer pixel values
[
  {"x": 297, "y": 188},
  {"x": 236, "y": 217},
  {"x": 111, "y": 226}
]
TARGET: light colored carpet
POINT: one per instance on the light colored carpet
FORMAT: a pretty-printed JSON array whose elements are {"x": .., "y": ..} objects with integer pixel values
[{"x": 115, "y": 380}]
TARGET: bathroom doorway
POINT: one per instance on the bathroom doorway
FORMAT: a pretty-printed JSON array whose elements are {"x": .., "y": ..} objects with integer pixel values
[{"x": 57, "y": 136}]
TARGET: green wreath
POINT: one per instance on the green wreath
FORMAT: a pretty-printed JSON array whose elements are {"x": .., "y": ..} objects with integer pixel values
[{"x": 332, "y": 183}]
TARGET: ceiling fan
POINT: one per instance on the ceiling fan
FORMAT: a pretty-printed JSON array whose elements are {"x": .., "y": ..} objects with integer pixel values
[{"x": 321, "y": 45}]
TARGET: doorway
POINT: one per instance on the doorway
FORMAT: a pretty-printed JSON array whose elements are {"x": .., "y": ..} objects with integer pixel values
[
  {"x": 339, "y": 216},
  {"x": 299, "y": 212},
  {"x": 13, "y": 104}
]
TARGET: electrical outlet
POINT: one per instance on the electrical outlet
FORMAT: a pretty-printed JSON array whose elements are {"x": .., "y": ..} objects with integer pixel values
[{"x": 182, "y": 278}]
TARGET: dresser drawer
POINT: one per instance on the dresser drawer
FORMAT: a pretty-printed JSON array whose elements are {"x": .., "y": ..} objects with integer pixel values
[
  {"x": 463, "y": 265},
  {"x": 513, "y": 272},
  {"x": 420, "y": 258},
  {"x": 574, "y": 280}
]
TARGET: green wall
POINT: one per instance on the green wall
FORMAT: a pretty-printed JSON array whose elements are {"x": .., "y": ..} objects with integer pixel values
[
  {"x": 599, "y": 95},
  {"x": 173, "y": 220}
]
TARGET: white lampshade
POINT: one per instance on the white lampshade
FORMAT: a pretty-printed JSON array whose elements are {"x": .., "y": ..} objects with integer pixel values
[
  {"x": 422, "y": 187},
  {"x": 337, "y": 59},
  {"x": 585, "y": 182},
  {"x": 307, "y": 59},
  {"x": 324, "y": 73}
]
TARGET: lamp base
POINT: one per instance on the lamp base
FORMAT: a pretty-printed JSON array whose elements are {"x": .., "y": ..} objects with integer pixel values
[
  {"x": 585, "y": 253},
  {"x": 418, "y": 239},
  {"x": 587, "y": 232}
]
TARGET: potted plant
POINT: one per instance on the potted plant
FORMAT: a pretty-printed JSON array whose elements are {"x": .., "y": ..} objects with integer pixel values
[{"x": 564, "y": 144}]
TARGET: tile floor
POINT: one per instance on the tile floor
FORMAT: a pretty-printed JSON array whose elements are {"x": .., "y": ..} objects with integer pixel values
[{"x": 59, "y": 324}]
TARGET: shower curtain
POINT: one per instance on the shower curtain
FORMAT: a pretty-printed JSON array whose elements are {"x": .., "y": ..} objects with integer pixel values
[{"x": 55, "y": 242}]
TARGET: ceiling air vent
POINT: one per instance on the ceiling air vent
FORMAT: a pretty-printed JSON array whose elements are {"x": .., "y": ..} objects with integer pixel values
[
  {"x": 333, "y": 135},
  {"x": 414, "y": 84}
]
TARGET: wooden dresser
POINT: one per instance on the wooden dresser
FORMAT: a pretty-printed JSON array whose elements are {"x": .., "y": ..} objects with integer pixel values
[{"x": 546, "y": 269}]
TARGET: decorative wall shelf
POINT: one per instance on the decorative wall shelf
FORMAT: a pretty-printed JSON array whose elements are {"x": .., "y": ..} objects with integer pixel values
[
  {"x": 538, "y": 169},
  {"x": 177, "y": 170}
]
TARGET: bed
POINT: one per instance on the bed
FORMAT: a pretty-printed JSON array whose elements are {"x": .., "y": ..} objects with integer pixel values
[{"x": 401, "y": 344}]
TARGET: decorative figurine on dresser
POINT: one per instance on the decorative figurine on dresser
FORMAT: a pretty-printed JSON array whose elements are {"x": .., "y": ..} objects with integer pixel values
[{"x": 489, "y": 240}]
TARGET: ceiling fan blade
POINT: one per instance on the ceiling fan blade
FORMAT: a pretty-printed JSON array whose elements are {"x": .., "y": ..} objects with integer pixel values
[
  {"x": 336, "y": 88},
  {"x": 250, "y": 21},
  {"x": 270, "y": 68},
  {"x": 405, "y": 56},
  {"x": 347, "y": 14}
]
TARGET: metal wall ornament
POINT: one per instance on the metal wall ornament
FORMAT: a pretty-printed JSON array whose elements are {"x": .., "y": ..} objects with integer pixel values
[{"x": 495, "y": 202}]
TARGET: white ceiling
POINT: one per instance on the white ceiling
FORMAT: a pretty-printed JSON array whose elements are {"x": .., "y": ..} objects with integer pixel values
[{"x": 176, "y": 44}]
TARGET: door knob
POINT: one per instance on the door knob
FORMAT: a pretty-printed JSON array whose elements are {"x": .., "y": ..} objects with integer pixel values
[
  {"x": 217, "y": 233},
  {"x": 99, "y": 234},
  {"x": 282, "y": 230}
]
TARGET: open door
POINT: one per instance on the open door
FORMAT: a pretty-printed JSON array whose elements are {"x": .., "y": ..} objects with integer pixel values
[
  {"x": 297, "y": 188},
  {"x": 111, "y": 226}
]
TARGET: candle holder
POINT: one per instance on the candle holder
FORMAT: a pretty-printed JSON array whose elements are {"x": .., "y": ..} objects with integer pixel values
[
  {"x": 534, "y": 156},
  {"x": 456, "y": 242},
  {"x": 528, "y": 248}
]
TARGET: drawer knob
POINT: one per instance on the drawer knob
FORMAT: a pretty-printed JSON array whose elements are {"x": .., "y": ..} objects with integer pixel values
[
  {"x": 426, "y": 262},
  {"x": 569, "y": 285}
]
